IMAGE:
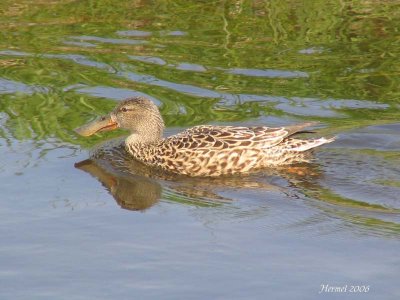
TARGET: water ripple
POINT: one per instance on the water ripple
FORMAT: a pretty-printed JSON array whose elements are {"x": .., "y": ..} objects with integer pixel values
[
  {"x": 113, "y": 93},
  {"x": 79, "y": 44},
  {"x": 12, "y": 87},
  {"x": 108, "y": 40},
  {"x": 294, "y": 105},
  {"x": 136, "y": 33},
  {"x": 269, "y": 73},
  {"x": 148, "y": 59}
]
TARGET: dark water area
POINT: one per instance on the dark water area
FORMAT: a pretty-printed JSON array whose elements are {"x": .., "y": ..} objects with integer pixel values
[{"x": 77, "y": 229}]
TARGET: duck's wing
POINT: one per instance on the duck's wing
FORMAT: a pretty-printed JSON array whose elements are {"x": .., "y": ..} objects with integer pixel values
[{"x": 225, "y": 137}]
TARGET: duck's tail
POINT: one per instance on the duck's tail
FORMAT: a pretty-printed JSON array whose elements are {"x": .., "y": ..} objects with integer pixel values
[
  {"x": 297, "y": 145},
  {"x": 292, "y": 150}
]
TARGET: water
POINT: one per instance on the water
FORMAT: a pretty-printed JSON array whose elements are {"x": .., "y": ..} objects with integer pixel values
[{"x": 89, "y": 230}]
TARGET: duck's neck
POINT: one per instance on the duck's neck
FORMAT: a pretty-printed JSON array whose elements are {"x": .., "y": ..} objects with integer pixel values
[
  {"x": 138, "y": 138},
  {"x": 147, "y": 132},
  {"x": 141, "y": 146}
]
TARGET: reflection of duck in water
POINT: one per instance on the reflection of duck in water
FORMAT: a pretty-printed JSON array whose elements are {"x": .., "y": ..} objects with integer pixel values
[
  {"x": 135, "y": 186},
  {"x": 202, "y": 150},
  {"x": 132, "y": 192}
]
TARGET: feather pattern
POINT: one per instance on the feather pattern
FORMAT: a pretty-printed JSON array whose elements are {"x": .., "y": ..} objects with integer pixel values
[{"x": 218, "y": 150}]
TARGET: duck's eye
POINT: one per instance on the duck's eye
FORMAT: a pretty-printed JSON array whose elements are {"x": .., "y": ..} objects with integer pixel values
[{"x": 124, "y": 109}]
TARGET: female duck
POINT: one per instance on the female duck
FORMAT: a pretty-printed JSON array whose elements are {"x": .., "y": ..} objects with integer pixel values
[{"x": 204, "y": 150}]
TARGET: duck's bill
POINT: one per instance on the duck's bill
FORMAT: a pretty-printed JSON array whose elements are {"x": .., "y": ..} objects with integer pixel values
[{"x": 105, "y": 123}]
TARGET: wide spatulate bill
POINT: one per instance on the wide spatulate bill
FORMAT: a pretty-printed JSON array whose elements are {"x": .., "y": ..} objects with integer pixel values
[{"x": 104, "y": 123}]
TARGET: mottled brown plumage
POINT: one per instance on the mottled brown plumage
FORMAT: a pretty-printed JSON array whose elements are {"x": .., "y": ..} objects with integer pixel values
[{"x": 204, "y": 150}]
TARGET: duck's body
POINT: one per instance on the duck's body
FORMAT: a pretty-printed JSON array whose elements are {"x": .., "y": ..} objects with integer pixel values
[
  {"x": 203, "y": 150},
  {"x": 219, "y": 150}
]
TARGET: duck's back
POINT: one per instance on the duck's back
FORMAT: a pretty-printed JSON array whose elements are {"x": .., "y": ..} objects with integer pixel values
[{"x": 217, "y": 150}]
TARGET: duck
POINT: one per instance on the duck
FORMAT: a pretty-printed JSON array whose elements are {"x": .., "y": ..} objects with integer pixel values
[{"x": 203, "y": 150}]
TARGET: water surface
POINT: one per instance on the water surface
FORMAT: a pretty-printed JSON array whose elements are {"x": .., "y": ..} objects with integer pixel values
[{"x": 101, "y": 230}]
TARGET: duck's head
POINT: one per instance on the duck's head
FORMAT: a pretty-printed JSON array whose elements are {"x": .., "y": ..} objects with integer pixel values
[{"x": 139, "y": 115}]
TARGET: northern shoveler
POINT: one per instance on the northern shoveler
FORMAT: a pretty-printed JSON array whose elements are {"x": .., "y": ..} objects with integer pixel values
[{"x": 204, "y": 150}]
